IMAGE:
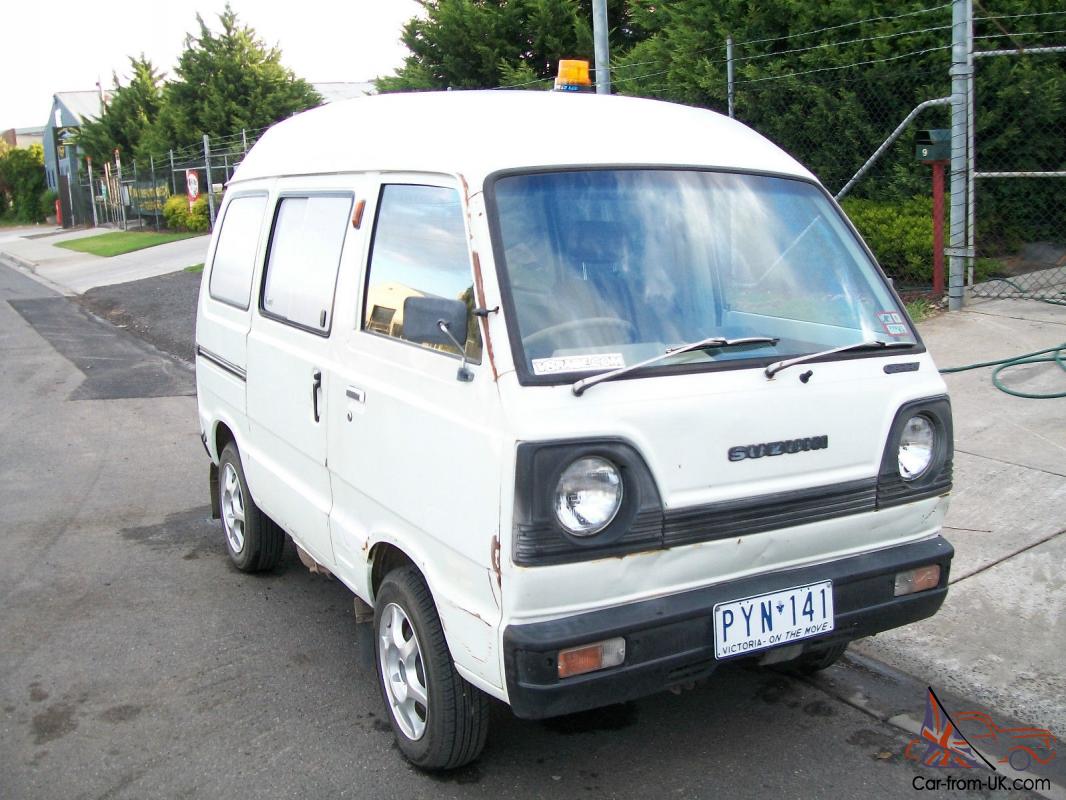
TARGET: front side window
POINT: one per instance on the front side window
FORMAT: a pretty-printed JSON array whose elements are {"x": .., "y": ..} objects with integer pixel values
[
  {"x": 419, "y": 250},
  {"x": 305, "y": 253},
  {"x": 238, "y": 243},
  {"x": 607, "y": 268}
]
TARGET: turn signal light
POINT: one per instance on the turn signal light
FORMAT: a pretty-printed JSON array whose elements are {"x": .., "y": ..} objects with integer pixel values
[
  {"x": 591, "y": 657},
  {"x": 918, "y": 580}
]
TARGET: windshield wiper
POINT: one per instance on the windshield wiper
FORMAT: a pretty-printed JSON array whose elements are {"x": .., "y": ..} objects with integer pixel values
[
  {"x": 711, "y": 343},
  {"x": 777, "y": 366}
]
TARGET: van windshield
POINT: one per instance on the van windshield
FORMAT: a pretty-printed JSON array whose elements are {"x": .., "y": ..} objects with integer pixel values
[{"x": 608, "y": 268}]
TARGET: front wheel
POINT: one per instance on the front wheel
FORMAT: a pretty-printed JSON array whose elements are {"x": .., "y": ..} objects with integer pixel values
[
  {"x": 254, "y": 542},
  {"x": 440, "y": 721}
]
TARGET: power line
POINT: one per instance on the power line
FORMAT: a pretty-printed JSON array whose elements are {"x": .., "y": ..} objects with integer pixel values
[
  {"x": 848, "y": 25},
  {"x": 1012, "y": 34},
  {"x": 847, "y": 66},
  {"x": 846, "y": 41},
  {"x": 1018, "y": 16}
]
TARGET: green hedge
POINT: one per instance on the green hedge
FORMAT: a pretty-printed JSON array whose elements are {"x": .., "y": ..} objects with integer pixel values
[
  {"x": 179, "y": 217},
  {"x": 899, "y": 232}
]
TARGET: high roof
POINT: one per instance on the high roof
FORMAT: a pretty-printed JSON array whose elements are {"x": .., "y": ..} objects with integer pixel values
[{"x": 479, "y": 132}]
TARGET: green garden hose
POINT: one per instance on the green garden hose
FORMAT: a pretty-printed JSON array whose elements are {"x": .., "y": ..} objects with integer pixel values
[{"x": 1055, "y": 354}]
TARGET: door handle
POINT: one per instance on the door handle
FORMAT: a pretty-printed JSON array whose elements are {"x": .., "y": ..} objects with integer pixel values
[
  {"x": 316, "y": 387},
  {"x": 356, "y": 394}
]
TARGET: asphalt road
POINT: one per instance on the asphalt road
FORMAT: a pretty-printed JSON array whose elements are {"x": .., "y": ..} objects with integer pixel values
[{"x": 136, "y": 663}]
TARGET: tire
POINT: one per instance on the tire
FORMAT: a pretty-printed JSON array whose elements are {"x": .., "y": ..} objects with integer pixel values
[
  {"x": 254, "y": 542},
  {"x": 814, "y": 661},
  {"x": 448, "y": 726}
]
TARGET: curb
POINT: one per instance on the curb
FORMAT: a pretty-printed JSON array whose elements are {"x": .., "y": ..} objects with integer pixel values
[{"x": 29, "y": 269}]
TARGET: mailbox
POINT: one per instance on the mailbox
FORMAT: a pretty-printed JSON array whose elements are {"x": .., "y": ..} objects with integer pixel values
[{"x": 933, "y": 145}]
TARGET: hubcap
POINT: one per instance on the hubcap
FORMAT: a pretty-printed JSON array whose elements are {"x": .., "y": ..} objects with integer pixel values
[
  {"x": 403, "y": 672},
  {"x": 232, "y": 509}
]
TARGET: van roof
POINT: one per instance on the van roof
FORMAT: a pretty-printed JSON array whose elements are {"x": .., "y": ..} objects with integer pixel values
[{"x": 476, "y": 133}]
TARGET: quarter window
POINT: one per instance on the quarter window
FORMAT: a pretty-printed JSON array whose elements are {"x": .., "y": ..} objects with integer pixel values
[
  {"x": 238, "y": 241},
  {"x": 305, "y": 252},
  {"x": 419, "y": 250}
]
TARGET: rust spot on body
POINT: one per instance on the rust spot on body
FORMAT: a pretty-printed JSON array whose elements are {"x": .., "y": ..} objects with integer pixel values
[
  {"x": 479, "y": 287},
  {"x": 494, "y": 557}
]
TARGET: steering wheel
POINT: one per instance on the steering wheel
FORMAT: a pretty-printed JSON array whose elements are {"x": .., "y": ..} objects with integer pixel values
[{"x": 545, "y": 335}]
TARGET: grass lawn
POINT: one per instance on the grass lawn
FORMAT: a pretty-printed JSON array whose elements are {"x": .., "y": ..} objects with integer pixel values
[
  {"x": 118, "y": 242},
  {"x": 195, "y": 268}
]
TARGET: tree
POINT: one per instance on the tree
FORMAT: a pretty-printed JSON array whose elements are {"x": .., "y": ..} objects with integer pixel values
[
  {"x": 127, "y": 117},
  {"x": 22, "y": 182},
  {"x": 226, "y": 81},
  {"x": 481, "y": 44}
]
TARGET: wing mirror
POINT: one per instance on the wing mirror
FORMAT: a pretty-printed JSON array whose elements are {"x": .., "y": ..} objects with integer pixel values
[{"x": 440, "y": 321}]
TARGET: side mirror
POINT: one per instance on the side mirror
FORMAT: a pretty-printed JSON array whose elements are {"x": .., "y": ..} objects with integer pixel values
[{"x": 437, "y": 320}]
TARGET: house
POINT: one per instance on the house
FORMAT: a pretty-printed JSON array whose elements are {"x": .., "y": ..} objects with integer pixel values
[
  {"x": 22, "y": 137},
  {"x": 69, "y": 110}
]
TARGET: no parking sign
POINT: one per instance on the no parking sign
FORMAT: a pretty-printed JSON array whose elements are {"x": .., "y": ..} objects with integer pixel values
[{"x": 192, "y": 186}]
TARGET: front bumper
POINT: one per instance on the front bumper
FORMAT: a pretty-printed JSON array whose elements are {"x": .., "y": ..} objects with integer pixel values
[{"x": 670, "y": 640}]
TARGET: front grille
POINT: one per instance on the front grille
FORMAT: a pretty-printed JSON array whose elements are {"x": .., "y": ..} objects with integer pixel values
[{"x": 781, "y": 510}]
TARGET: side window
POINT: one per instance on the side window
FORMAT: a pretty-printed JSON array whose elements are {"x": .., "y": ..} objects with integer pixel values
[
  {"x": 238, "y": 241},
  {"x": 305, "y": 252},
  {"x": 419, "y": 250}
]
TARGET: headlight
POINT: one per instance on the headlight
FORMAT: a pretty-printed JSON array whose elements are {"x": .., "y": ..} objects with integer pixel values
[
  {"x": 588, "y": 496},
  {"x": 916, "y": 445}
]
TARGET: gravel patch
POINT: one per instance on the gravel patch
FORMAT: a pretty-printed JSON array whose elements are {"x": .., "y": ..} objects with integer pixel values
[{"x": 160, "y": 310}]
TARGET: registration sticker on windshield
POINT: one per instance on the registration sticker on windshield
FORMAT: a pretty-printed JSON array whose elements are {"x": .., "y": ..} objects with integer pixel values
[
  {"x": 585, "y": 363},
  {"x": 893, "y": 323}
]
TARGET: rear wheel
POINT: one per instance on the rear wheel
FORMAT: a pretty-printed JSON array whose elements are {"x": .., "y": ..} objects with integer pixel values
[
  {"x": 440, "y": 721},
  {"x": 254, "y": 542}
]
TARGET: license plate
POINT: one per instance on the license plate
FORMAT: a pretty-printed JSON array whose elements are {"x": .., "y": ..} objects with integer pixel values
[{"x": 766, "y": 620}]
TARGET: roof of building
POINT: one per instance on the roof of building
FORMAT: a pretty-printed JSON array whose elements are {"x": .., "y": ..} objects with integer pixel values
[
  {"x": 332, "y": 91},
  {"x": 480, "y": 132},
  {"x": 82, "y": 105}
]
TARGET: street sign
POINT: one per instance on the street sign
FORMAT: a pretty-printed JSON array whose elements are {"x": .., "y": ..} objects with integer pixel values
[{"x": 192, "y": 186}]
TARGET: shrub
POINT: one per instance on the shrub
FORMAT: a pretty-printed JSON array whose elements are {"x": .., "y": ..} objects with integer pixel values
[
  {"x": 22, "y": 180},
  {"x": 899, "y": 232},
  {"x": 48, "y": 202},
  {"x": 176, "y": 212},
  {"x": 198, "y": 216}
]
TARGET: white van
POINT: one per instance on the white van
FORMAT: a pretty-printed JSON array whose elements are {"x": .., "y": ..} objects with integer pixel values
[{"x": 583, "y": 395}]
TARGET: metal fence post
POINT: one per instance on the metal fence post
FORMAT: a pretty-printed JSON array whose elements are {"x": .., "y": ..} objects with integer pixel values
[
  {"x": 173, "y": 174},
  {"x": 92, "y": 192},
  {"x": 155, "y": 193},
  {"x": 210, "y": 188},
  {"x": 121, "y": 199},
  {"x": 135, "y": 200},
  {"x": 971, "y": 152},
  {"x": 244, "y": 142},
  {"x": 729, "y": 72},
  {"x": 960, "y": 22}
]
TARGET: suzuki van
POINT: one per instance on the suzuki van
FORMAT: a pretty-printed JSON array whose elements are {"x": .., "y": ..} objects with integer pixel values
[{"x": 581, "y": 396}]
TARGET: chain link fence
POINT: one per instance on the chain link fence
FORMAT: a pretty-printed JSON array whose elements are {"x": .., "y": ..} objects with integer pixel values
[
  {"x": 849, "y": 101},
  {"x": 1020, "y": 173},
  {"x": 131, "y": 193}
]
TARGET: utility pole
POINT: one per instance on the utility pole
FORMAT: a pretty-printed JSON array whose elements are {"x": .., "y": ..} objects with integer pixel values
[
  {"x": 961, "y": 23},
  {"x": 729, "y": 72},
  {"x": 599, "y": 35}
]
